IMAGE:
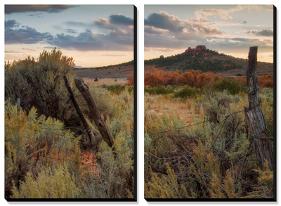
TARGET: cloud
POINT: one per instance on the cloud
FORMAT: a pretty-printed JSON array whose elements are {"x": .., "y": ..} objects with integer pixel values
[
  {"x": 104, "y": 24},
  {"x": 10, "y": 24},
  {"x": 71, "y": 31},
  {"x": 121, "y": 20},
  {"x": 78, "y": 24},
  {"x": 226, "y": 13},
  {"x": 164, "y": 20},
  {"x": 84, "y": 41},
  {"x": 115, "y": 22},
  {"x": 264, "y": 32},
  {"x": 117, "y": 35},
  {"x": 113, "y": 38},
  {"x": 169, "y": 31},
  {"x": 163, "y": 30},
  {"x": 238, "y": 43},
  {"x": 175, "y": 25},
  {"x": 222, "y": 14},
  {"x": 153, "y": 30},
  {"x": 112, "y": 22},
  {"x": 87, "y": 40},
  {"x": 15, "y": 33},
  {"x": 9, "y": 9}
]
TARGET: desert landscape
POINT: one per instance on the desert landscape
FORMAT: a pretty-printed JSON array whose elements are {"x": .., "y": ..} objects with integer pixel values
[
  {"x": 69, "y": 130},
  {"x": 51, "y": 131},
  {"x": 196, "y": 136},
  {"x": 209, "y": 106}
]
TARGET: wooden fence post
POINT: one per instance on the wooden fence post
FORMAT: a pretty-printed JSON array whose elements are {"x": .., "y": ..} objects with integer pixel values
[
  {"x": 262, "y": 144},
  {"x": 94, "y": 112},
  {"x": 79, "y": 112}
]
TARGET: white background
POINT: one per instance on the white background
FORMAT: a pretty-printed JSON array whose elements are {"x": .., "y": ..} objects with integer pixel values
[{"x": 140, "y": 6}]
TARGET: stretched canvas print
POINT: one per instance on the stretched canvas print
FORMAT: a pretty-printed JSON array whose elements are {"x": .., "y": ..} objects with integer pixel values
[
  {"x": 70, "y": 128},
  {"x": 210, "y": 107}
]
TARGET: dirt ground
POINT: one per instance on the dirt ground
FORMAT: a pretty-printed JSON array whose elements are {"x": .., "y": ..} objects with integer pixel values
[{"x": 112, "y": 72}]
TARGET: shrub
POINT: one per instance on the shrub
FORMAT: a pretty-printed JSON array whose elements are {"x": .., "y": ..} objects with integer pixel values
[
  {"x": 265, "y": 81},
  {"x": 263, "y": 187},
  {"x": 40, "y": 83},
  {"x": 157, "y": 77},
  {"x": 199, "y": 79},
  {"x": 33, "y": 141},
  {"x": 116, "y": 89},
  {"x": 130, "y": 78},
  {"x": 185, "y": 93},
  {"x": 50, "y": 183},
  {"x": 266, "y": 95},
  {"x": 116, "y": 176},
  {"x": 164, "y": 186},
  {"x": 159, "y": 90},
  {"x": 218, "y": 161},
  {"x": 230, "y": 85}
]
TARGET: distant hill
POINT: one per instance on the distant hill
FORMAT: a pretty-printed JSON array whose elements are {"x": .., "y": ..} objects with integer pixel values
[
  {"x": 123, "y": 70},
  {"x": 201, "y": 58}
]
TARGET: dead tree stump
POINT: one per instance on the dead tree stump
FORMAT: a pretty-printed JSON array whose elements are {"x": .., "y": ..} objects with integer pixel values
[
  {"x": 262, "y": 144},
  {"x": 94, "y": 112}
]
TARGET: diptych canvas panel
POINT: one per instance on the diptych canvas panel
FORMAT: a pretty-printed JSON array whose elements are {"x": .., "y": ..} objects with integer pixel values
[
  {"x": 210, "y": 104},
  {"x": 70, "y": 102}
]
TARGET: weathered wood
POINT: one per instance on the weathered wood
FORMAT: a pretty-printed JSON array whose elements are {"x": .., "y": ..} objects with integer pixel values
[
  {"x": 252, "y": 82},
  {"x": 79, "y": 112},
  {"x": 262, "y": 144},
  {"x": 94, "y": 112}
]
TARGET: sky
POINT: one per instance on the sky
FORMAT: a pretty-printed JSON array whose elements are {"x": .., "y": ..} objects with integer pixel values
[
  {"x": 94, "y": 35},
  {"x": 232, "y": 29}
]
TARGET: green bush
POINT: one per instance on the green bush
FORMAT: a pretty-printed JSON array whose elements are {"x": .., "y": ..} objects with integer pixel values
[
  {"x": 230, "y": 85},
  {"x": 32, "y": 142},
  {"x": 40, "y": 83},
  {"x": 116, "y": 178},
  {"x": 165, "y": 186},
  {"x": 185, "y": 92},
  {"x": 116, "y": 89},
  {"x": 159, "y": 90},
  {"x": 50, "y": 183},
  {"x": 266, "y": 96}
]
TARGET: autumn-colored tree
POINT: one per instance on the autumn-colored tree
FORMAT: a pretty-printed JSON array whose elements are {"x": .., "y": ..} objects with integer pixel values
[{"x": 156, "y": 77}]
